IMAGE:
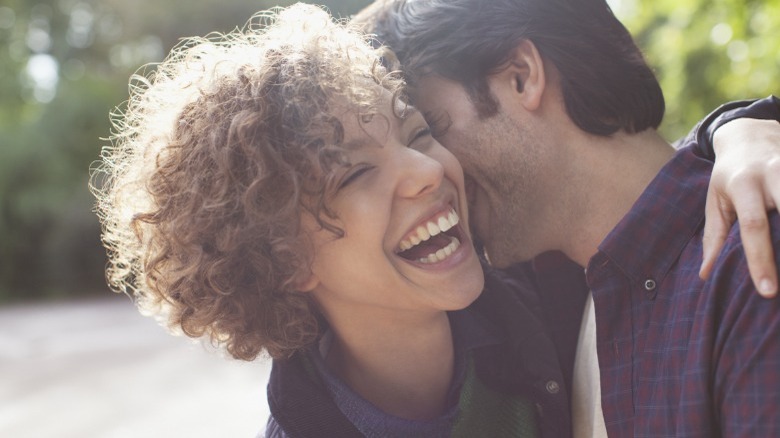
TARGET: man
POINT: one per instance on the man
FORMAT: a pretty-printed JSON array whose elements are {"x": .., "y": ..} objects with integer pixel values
[{"x": 553, "y": 112}]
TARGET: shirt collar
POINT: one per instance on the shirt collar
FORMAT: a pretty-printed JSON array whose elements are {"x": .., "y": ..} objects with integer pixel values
[{"x": 649, "y": 239}]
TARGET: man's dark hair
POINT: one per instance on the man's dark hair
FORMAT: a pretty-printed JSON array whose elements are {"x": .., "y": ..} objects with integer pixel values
[{"x": 606, "y": 83}]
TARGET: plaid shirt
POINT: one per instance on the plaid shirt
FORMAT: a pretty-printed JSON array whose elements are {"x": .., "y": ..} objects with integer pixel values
[{"x": 678, "y": 356}]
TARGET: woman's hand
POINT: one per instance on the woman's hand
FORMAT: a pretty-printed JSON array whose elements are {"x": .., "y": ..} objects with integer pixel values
[{"x": 745, "y": 184}]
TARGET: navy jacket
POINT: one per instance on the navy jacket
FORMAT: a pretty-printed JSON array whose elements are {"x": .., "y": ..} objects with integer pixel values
[{"x": 528, "y": 362}]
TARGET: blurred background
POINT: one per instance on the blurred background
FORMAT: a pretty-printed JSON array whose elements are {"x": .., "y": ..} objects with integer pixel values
[{"x": 64, "y": 65}]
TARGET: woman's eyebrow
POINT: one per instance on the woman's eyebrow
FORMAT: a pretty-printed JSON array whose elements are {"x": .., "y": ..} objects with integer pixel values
[
  {"x": 410, "y": 111},
  {"x": 355, "y": 144}
]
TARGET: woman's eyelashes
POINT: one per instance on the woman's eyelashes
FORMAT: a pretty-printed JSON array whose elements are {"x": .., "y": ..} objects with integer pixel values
[
  {"x": 420, "y": 140},
  {"x": 351, "y": 176}
]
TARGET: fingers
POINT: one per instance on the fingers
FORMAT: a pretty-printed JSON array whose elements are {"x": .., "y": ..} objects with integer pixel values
[
  {"x": 773, "y": 183},
  {"x": 756, "y": 240},
  {"x": 750, "y": 208},
  {"x": 745, "y": 185},
  {"x": 719, "y": 219}
]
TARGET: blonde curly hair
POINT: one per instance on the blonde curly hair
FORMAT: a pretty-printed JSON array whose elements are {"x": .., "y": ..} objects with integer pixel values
[{"x": 213, "y": 160}]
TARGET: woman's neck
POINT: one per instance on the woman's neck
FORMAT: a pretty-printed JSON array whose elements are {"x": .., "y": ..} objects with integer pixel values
[{"x": 404, "y": 367}]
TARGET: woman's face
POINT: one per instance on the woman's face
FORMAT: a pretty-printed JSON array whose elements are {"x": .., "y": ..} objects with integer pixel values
[{"x": 402, "y": 206}]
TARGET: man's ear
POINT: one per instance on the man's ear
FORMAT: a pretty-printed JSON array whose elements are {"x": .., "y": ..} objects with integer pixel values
[{"x": 525, "y": 75}]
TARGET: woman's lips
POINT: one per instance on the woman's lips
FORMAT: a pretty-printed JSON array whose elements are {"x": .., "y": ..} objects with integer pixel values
[{"x": 434, "y": 240}]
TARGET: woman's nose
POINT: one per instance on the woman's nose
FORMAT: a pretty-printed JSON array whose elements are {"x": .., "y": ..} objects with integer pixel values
[{"x": 420, "y": 174}]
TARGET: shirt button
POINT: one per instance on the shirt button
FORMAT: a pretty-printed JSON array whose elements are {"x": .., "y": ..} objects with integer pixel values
[
  {"x": 552, "y": 387},
  {"x": 650, "y": 288}
]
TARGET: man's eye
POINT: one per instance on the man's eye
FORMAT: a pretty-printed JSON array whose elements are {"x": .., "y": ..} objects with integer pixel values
[
  {"x": 439, "y": 123},
  {"x": 353, "y": 176}
]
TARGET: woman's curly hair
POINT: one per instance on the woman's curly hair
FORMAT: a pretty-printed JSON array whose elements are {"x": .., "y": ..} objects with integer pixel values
[{"x": 212, "y": 162}]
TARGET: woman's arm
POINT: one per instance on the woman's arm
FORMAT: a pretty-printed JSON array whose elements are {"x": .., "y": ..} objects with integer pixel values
[{"x": 745, "y": 184}]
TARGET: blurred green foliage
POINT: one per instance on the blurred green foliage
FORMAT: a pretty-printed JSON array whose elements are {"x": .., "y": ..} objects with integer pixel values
[
  {"x": 706, "y": 52},
  {"x": 64, "y": 65}
]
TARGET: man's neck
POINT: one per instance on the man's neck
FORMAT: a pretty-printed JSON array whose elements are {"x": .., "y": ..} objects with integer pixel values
[{"x": 609, "y": 177}]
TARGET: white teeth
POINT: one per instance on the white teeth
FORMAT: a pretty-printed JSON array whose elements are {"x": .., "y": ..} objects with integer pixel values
[
  {"x": 431, "y": 228},
  {"x": 422, "y": 234},
  {"x": 444, "y": 224},
  {"x": 454, "y": 219},
  {"x": 443, "y": 253}
]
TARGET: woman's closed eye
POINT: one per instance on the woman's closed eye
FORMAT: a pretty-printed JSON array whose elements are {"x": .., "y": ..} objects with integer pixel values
[{"x": 352, "y": 175}]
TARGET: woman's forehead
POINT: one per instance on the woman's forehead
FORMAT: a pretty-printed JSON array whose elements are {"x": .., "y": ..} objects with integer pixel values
[{"x": 364, "y": 128}]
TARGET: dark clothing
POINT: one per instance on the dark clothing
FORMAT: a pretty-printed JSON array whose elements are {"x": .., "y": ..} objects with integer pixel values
[
  {"x": 540, "y": 329},
  {"x": 679, "y": 356},
  {"x": 701, "y": 135},
  {"x": 525, "y": 362},
  {"x": 468, "y": 333}
]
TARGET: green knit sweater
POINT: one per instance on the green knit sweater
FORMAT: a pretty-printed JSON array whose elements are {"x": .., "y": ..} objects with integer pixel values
[{"x": 489, "y": 413}]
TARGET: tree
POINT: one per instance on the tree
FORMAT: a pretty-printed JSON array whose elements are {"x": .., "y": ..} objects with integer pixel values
[
  {"x": 64, "y": 64},
  {"x": 706, "y": 52}
]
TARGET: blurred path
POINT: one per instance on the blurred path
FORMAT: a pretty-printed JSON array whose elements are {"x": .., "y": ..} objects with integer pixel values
[{"x": 99, "y": 369}]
